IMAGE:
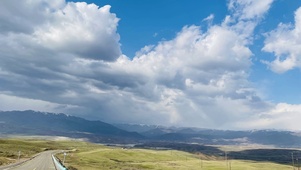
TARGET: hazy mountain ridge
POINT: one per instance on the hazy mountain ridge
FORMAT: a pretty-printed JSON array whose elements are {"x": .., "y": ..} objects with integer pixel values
[
  {"x": 38, "y": 123},
  {"x": 280, "y": 138},
  {"x": 50, "y": 124}
]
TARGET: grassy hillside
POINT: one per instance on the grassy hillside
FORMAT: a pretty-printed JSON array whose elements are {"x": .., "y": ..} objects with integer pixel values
[
  {"x": 106, "y": 158},
  {"x": 9, "y": 148},
  {"x": 90, "y": 156}
]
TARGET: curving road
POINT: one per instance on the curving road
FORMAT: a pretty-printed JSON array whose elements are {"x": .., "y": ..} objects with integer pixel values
[{"x": 41, "y": 162}]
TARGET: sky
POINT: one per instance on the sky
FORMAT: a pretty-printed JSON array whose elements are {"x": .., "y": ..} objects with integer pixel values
[{"x": 221, "y": 64}]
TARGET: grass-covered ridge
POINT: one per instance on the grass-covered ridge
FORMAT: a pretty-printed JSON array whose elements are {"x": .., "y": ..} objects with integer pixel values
[
  {"x": 9, "y": 148},
  {"x": 89, "y": 156},
  {"x": 135, "y": 159}
]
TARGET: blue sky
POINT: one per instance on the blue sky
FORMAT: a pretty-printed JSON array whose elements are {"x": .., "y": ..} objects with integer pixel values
[
  {"x": 149, "y": 22},
  {"x": 227, "y": 64},
  {"x": 279, "y": 87}
]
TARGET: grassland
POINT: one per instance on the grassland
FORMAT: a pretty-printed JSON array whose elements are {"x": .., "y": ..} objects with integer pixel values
[
  {"x": 134, "y": 159},
  {"x": 106, "y": 158},
  {"x": 9, "y": 148},
  {"x": 89, "y": 156}
]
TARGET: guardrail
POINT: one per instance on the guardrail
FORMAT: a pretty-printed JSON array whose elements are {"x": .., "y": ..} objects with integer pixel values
[{"x": 57, "y": 164}]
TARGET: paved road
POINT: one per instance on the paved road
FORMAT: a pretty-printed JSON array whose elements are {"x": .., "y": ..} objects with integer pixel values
[{"x": 41, "y": 162}]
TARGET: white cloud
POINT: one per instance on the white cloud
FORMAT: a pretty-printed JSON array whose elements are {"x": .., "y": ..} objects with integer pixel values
[
  {"x": 68, "y": 59},
  {"x": 195, "y": 79},
  {"x": 249, "y": 9},
  {"x": 209, "y": 19},
  {"x": 39, "y": 40},
  {"x": 246, "y": 15},
  {"x": 281, "y": 116},
  {"x": 285, "y": 43},
  {"x": 82, "y": 29},
  {"x": 23, "y": 16},
  {"x": 18, "y": 103}
]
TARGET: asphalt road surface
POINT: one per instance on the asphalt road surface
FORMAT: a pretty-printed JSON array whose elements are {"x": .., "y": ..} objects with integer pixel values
[{"x": 41, "y": 162}]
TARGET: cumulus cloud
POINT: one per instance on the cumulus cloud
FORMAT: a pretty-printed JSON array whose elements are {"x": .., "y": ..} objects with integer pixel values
[
  {"x": 22, "y": 16},
  {"x": 39, "y": 39},
  {"x": 194, "y": 79},
  {"x": 68, "y": 59},
  {"x": 201, "y": 76},
  {"x": 82, "y": 29},
  {"x": 79, "y": 29},
  {"x": 285, "y": 43}
]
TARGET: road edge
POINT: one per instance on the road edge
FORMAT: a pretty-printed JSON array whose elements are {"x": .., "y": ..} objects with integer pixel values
[{"x": 5, "y": 167}]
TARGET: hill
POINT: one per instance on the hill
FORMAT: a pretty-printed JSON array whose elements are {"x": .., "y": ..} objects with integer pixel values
[
  {"x": 38, "y": 123},
  {"x": 278, "y": 138}
]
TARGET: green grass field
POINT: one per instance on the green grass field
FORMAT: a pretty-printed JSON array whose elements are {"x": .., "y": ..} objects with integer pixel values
[
  {"x": 134, "y": 159},
  {"x": 88, "y": 156},
  {"x": 9, "y": 148},
  {"x": 106, "y": 158}
]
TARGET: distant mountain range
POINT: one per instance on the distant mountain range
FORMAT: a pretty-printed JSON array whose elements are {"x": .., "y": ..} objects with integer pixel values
[
  {"x": 50, "y": 124},
  {"x": 216, "y": 137},
  {"x": 38, "y": 123}
]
